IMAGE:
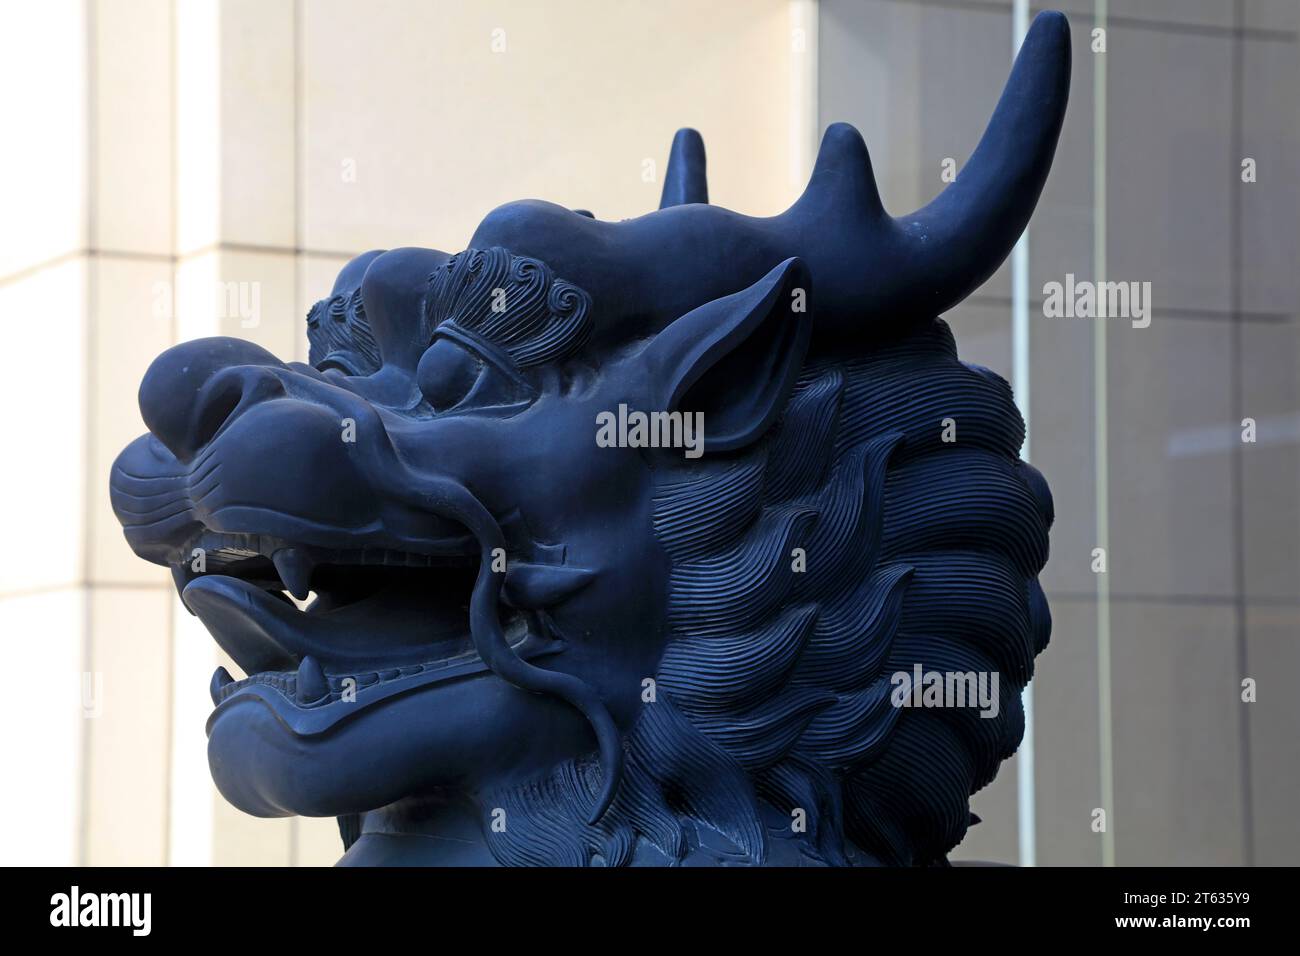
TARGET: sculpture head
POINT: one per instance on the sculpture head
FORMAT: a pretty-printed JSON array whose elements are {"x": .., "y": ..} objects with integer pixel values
[{"x": 536, "y": 581}]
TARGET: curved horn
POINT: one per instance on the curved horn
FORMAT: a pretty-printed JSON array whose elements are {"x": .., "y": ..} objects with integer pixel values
[
  {"x": 873, "y": 273},
  {"x": 685, "y": 180},
  {"x": 930, "y": 260}
]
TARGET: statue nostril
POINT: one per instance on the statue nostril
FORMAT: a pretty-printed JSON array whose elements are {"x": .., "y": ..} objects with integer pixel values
[
  {"x": 192, "y": 389},
  {"x": 216, "y": 405}
]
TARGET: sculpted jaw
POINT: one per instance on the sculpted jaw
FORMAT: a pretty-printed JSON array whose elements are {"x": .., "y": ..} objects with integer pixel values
[
  {"x": 261, "y": 632},
  {"x": 319, "y": 666}
]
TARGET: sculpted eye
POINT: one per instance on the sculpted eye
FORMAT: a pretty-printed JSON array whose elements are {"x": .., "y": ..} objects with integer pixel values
[{"x": 447, "y": 373}]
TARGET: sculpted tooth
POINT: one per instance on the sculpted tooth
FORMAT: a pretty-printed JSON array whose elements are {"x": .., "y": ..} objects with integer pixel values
[
  {"x": 311, "y": 681},
  {"x": 220, "y": 678},
  {"x": 295, "y": 571}
]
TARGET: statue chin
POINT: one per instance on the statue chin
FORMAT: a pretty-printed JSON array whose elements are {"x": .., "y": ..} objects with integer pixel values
[{"x": 476, "y": 734}]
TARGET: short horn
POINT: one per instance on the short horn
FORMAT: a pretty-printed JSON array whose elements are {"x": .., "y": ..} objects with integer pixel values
[{"x": 685, "y": 181}]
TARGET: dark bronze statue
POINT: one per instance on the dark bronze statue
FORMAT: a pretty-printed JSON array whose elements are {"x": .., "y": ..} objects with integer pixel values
[{"x": 629, "y": 542}]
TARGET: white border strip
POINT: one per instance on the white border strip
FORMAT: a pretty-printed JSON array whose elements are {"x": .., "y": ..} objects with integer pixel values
[{"x": 1026, "y": 808}]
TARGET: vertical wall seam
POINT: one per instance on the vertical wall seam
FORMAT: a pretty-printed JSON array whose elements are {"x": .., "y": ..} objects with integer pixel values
[
  {"x": 169, "y": 766},
  {"x": 89, "y": 359},
  {"x": 1237, "y": 379},
  {"x": 1101, "y": 439}
]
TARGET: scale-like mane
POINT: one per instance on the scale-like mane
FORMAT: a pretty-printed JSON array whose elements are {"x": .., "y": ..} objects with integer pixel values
[{"x": 775, "y": 686}]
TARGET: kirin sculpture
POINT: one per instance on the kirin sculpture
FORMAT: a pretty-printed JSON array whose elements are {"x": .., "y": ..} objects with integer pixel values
[{"x": 528, "y": 646}]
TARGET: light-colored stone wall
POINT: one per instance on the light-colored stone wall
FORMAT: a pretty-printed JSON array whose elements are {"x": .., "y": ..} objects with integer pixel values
[{"x": 172, "y": 151}]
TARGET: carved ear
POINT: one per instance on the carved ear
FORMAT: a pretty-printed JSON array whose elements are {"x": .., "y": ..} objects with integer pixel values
[{"x": 736, "y": 358}]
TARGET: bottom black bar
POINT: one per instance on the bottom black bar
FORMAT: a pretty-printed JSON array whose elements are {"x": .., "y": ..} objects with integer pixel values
[{"x": 302, "y": 906}]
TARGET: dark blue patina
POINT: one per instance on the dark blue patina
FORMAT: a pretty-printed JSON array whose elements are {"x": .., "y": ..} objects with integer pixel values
[{"x": 529, "y": 644}]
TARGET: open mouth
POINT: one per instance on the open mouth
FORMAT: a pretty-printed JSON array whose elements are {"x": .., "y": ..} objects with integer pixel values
[{"x": 368, "y": 624}]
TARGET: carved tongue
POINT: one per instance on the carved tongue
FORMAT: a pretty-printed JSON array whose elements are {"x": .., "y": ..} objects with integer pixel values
[
  {"x": 240, "y": 618},
  {"x": 263, "y": 632}
]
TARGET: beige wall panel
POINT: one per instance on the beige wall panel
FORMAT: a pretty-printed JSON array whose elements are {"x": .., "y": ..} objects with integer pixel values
[
  {"x": 196, "y": 280},
  {"x": 198, "y": 124},
  {"x": 1270, "y": 466},
  {"x": 414, "y": 128},
  {"x": 1201, "y": 12},
  {"x": 1171, "y": 516},
  {"x": 1067, "y": 756},
  {"x": 318, "y": 842},
  {"x": 132, "y": 103},
  {"x": 43, "y": 720},
  {"x": 43, "y": 505},
  {"x": 1272, "y": 14},
  {"x": 131, "y": 323},
  {"x": 241, "y": 840},
  {"x": 1273, "y": 658},
  {"x": 192, "y": 793},
  {"x": 127, "y": 757},
  {"x": 1177, "y": 736},
  {"x": 205, "y": 828},
  {"x": 257, "y": 122},
  {"x": 43, "y": 165},
  {"x": 255, "y": 297},
  {"x": 245, "y": 294}
]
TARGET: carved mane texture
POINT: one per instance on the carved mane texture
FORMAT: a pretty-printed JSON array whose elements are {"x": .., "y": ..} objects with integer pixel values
[{"x": 776, "y": 683}]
